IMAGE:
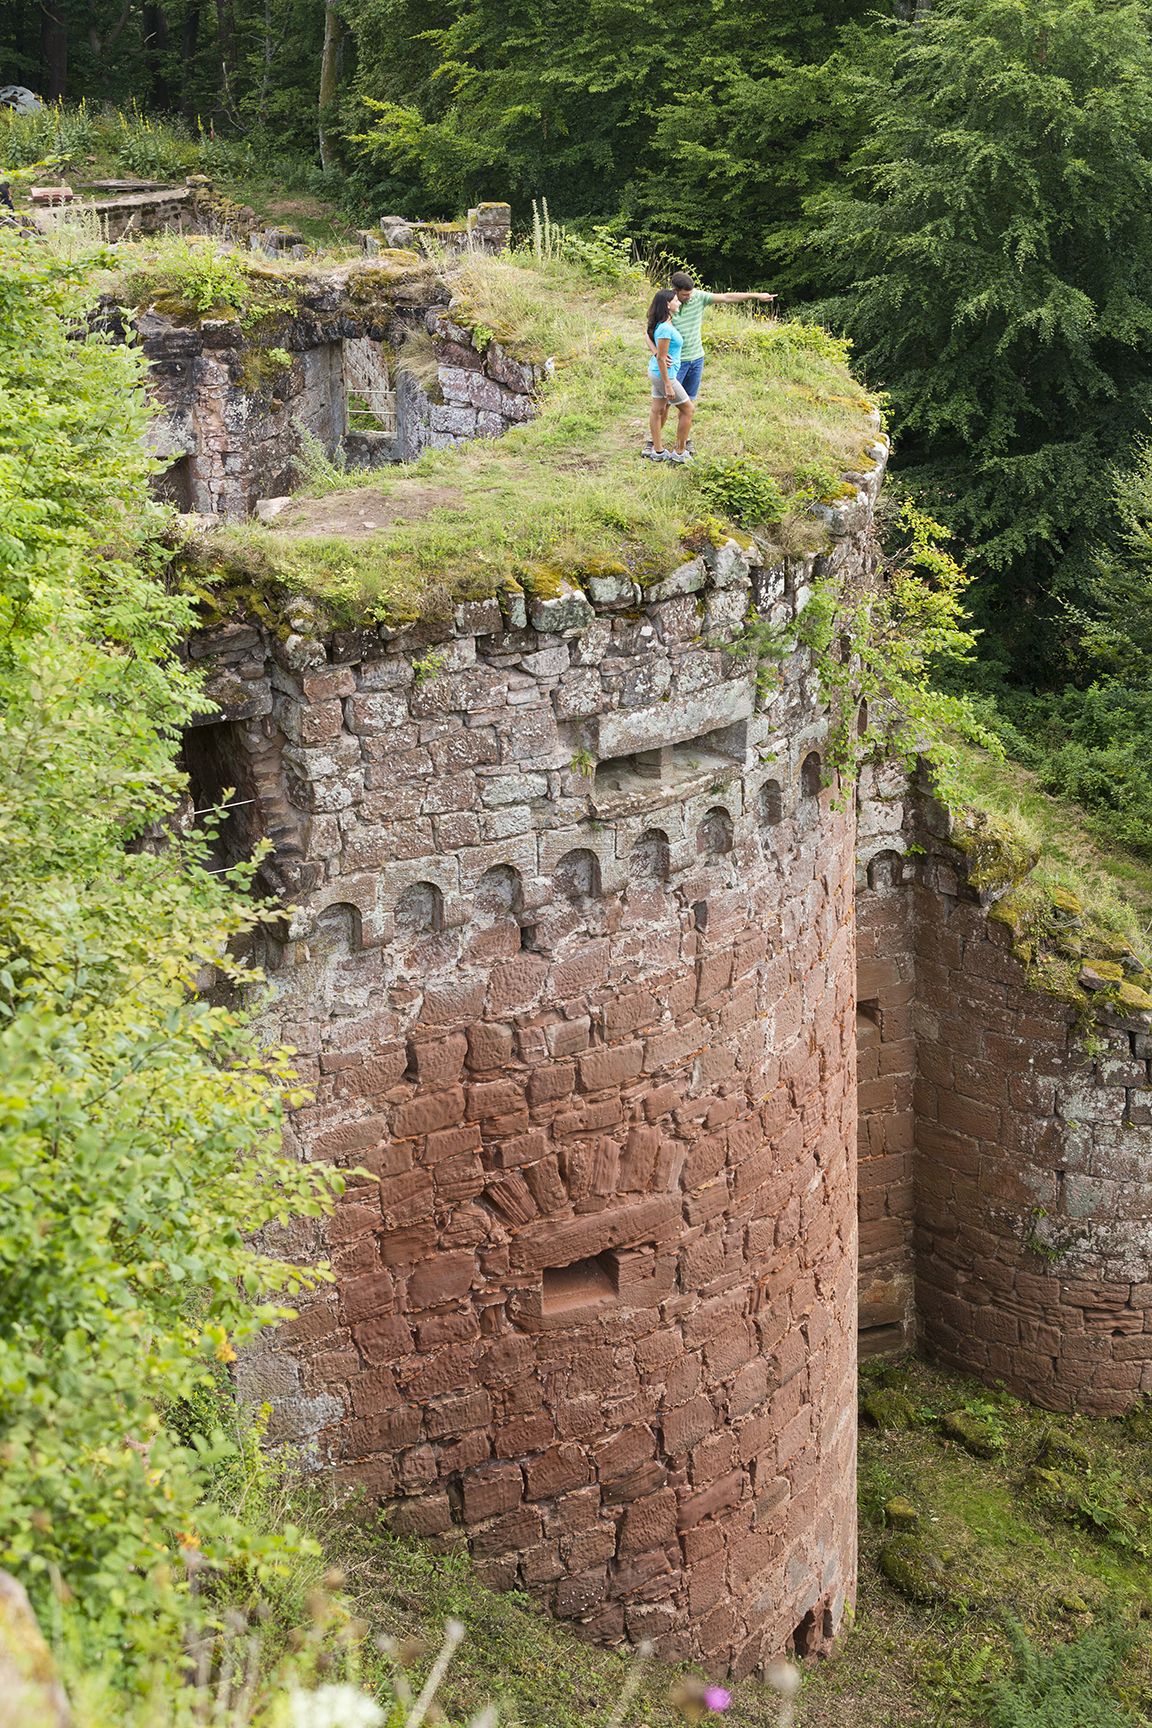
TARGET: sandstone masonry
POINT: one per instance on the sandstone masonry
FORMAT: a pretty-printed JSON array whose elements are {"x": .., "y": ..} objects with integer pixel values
[
  {"x": 572, "y": 975},
  {"x": 1006, "y": 1136}
]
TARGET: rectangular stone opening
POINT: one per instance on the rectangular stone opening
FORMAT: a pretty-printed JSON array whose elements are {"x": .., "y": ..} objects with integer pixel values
[
  {"x": 670, "y": 770},
  {"x": 590, "y": 1283}
]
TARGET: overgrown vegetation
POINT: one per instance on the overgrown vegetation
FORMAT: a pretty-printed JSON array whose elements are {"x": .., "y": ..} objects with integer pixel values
[
  {"x": 558, "y": 496},
  {"x": 139, "y": 1118},
  {"x": 1039, "y": 1618}
]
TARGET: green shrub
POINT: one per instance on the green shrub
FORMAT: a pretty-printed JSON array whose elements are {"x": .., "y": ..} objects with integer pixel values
[
  {"x": 139, "y": 1120},
  {"x": 742, "y": 491}
]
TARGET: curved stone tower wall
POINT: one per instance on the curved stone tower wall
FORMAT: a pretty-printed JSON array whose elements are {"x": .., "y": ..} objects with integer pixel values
[
  {"x": 1028, "y": 1213},
  {"x": 572, "y": 977}
]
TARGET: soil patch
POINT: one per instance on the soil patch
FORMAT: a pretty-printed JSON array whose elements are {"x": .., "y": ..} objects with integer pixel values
[{"x": 361, "y": 511}]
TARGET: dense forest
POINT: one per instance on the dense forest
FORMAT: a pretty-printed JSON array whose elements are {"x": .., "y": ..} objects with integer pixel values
[{"x": 961, "y": 188}]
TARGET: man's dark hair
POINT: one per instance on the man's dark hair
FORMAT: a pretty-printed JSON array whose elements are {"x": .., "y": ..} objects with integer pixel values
[{"x": 681, "y": 279}]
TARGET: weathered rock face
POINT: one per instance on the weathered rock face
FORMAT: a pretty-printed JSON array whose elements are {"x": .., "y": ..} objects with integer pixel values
[
  {"x": 1008, "y": 1142},
  {"x": 572, "y": 975},
  {"x": 367, "y": 362}
]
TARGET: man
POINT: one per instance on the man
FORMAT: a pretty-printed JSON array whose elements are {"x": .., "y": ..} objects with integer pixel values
[{"x": 688, "y": 321}]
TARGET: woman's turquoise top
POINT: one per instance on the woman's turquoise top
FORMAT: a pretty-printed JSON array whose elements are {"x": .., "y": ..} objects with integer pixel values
[{"x": 675, "y": 344}]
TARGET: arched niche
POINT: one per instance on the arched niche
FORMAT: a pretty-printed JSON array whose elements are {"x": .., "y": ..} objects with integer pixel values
[
  {"x": 651, "y": 859},
  {"x": 338, "y": 928},
  {"x": 811, "y": 775},
  {"x": 420, "y": 910},
  {"x": 499, "y": 893},
  {"x": 886, "y": 870},
  {"x": 577, "y": 875},
  {"x": 771, "y": 804},
  {"x": 715, "y": 835}
]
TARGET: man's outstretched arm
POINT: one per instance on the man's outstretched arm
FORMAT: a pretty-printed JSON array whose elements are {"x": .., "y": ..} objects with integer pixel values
[{"x": 727, "y": 299}]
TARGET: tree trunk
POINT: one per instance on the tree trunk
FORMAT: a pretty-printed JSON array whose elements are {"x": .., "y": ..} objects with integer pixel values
[
  {"x": 189, "y": 48},
  {"x": 157, "y": 43},
  {"x": 54, "y": 42},
  {"x": 226, "y": 47},
  {"x": 329, "y": 82}
]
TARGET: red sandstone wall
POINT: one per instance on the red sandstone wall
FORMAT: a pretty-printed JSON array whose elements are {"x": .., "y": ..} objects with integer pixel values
[
  {"x": 886, "y": 1060},
  {"x": 595, "y": 1309},
  {"x": 1031, "y": 1199},
  {"x": 1030, "y": 1208}
]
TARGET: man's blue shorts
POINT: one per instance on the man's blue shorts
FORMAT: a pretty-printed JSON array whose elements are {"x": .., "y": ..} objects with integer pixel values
[{"x": 690, "y": 374}]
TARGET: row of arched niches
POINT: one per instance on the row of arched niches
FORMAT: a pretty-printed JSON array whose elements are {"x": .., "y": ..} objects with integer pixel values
[{"x": 419, "y": 909}]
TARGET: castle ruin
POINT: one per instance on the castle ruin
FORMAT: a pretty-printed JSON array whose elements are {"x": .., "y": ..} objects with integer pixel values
[{"x": 612, "y": 986}]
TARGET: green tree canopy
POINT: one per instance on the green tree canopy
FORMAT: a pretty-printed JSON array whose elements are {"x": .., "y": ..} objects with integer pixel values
[{"x": 992, "y": 245}]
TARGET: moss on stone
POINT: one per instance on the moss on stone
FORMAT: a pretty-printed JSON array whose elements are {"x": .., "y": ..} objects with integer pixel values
[
  {"x": 888, "y": 1408},
  {"x": 998, "y": 858},
  {"x": 1131, "y": 996},
  {"x": 1057, "y": 1446},
  {"x": 914, "y": 1568},
  {"x": 900, "y": 1513},
  {"x": 971, "y": 1432}
]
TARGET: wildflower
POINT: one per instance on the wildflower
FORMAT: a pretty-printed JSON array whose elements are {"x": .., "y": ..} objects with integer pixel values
[
  {"x": 717, "y": 1698},
  {"x": 334, "y": 1707}
]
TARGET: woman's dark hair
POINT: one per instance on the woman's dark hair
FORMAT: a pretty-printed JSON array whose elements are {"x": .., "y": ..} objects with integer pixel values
[{"x": 658, "y": 311}]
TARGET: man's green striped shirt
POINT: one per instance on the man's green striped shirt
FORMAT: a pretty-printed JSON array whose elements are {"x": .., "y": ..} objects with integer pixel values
[{"x": 688, "y": 321}]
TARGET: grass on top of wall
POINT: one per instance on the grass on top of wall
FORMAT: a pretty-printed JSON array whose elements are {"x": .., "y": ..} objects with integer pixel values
[
  {"x": 1072, "y": 899},
  {"x": 567, "y": 493}
]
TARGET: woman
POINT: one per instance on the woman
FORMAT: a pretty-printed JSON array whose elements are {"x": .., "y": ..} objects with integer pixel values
[{"x": 666, "y": 389}]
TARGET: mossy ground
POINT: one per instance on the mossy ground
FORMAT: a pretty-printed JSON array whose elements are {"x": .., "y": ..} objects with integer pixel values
[
  {"x": 1060, "y": 1558},
  {"x": 1052, "y": 1532},
  {"x": 569, "y": 488}
]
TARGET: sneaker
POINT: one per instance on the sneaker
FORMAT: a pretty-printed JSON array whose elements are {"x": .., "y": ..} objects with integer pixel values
[
  {"x": 682, "y": 457},
  {"x": 648, "y": 453}
]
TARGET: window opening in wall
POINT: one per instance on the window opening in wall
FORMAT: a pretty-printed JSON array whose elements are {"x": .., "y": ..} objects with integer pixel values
[
  {"x": 771, "y": 804},
  {"x": 582, "y": 1284},
  {"x": 668, "y": 770},
  {"x": 810, "y": 775},
  {"x": 371, "y": 402},
  {"x": 715, "y": 835},
  {"x": 420, "y": 910},
  {"x": 577, "y": 875},
  {"x": 174, "y": 486},
  {"x": 862, "y": 717},
  {"x": 216, "y": 763},
  {"x": 700, "y": 915},
  {"x": 651, "y": 857}
]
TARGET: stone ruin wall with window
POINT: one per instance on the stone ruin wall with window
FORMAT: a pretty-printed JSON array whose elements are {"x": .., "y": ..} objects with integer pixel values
[
  {"x": 368, "y": 364},
  {"x": 584, "y": 957},
  {"x": 572, "y": 976}
]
